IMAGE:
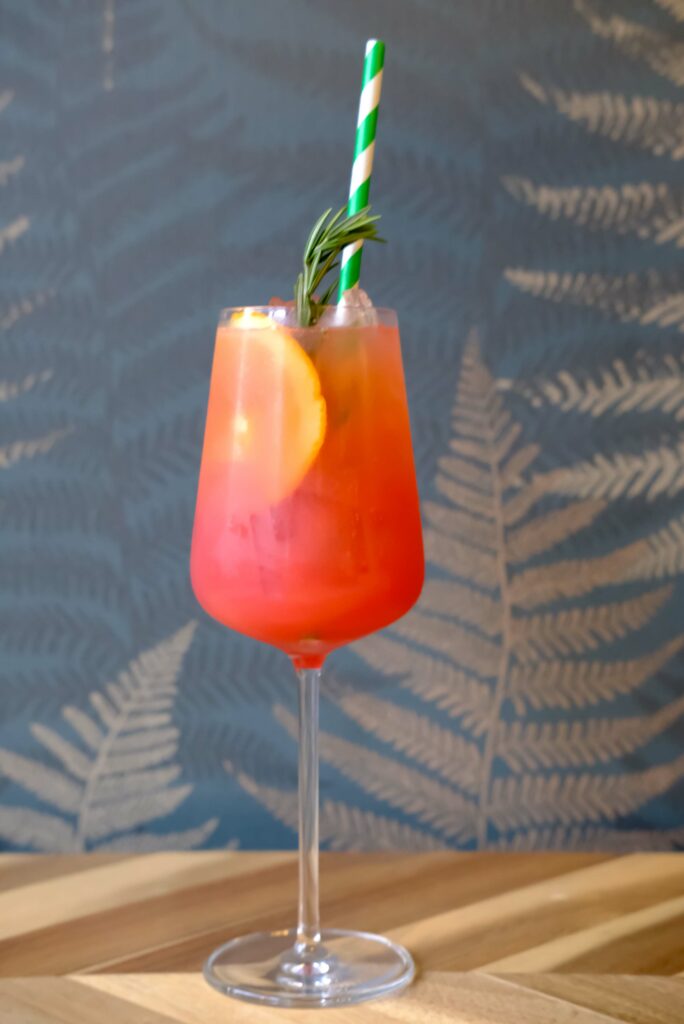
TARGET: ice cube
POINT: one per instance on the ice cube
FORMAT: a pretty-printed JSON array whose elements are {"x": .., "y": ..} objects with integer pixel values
[
  {"x": 353, "y": 299},
  {"x": 356, "y": 297},
  {"x": 281, "y": 310}
]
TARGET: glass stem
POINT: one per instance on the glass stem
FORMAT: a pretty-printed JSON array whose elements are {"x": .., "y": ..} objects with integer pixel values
[{"x": 308, "y": 923}]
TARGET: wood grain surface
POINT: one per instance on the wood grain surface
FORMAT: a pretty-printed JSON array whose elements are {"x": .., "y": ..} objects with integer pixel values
[{"x": 581, "y": 938}]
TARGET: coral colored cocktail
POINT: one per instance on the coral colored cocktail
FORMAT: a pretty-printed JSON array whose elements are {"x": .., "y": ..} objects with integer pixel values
[
  {"x": 307, "y": 529},
  {"x": 307, "y": 535}
]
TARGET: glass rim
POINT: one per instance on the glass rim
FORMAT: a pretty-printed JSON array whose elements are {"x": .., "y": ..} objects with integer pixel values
[{"x": 383, "y": 313}]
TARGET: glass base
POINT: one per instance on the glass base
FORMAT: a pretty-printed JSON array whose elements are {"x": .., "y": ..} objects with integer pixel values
[{"x": 347, "y": 967}]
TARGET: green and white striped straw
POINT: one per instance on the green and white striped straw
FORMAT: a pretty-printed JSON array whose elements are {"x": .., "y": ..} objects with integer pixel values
[{"x": 364, "y": 148}]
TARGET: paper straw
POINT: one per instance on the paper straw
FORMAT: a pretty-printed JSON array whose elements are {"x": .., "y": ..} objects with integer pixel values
[{"x": 364, "y": 147}]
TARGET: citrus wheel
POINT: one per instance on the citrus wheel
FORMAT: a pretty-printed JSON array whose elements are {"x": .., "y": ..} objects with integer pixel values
[{"x": 266, "y": 416}]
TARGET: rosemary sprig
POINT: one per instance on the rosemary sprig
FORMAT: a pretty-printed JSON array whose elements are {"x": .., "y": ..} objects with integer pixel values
[{"x": 328, "y": 238}]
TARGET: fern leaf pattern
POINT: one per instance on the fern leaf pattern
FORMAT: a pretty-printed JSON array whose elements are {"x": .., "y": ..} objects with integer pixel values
[
  {"x": 643, "y": 121},
  {"x": 534, "y": 587},
  {"x": 472, "y": 634},
  {"x": 575, "y": 744},
  {"x": 647, "y": 299},
  {"x": 342, "y": 826},
  {"x": 649, "y": 474},
  {"x": 14, "y": 230},
  {"x": 8, "y": 168},
  {"x": 550, "y": 609},
  {"x": 663, "y": 54},
  {"x": 674, "y": 7},
  {"x": 11, "y": 314},
  {"x": 411, "y": 791},
  {"x": 119, "y": 778},
  {"x": 150, "y": 842},
  {"x": 620, "y": 390},
  {"x": 583, "y": 629},
  {"x": 439, "y": 682},
  {"x": 576, "y": 683},
  {"x": 580, "y": 638},
  {"x": 11, "y": 389},
  {"x": 28, "y": 449},
  {"x": 452, "y": 756},
  {"x": 569, "y": 799},
  {"x": 661, "y": 556},
  {"x": 550, "y": 528},
  {"x": 646, "y": 210},
  {"x": 36, "y": 830},
  {"x": 593, "y": 837}
]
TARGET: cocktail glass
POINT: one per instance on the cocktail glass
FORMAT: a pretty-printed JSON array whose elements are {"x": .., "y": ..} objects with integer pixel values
[{"x": 307, "y": 536}]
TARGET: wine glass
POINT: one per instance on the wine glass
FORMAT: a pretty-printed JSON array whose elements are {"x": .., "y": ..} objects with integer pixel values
[{"x": 307, "y": 536}]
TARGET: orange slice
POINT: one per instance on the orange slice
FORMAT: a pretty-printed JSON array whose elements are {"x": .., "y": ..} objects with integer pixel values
[{"x": 266, "y": 416}]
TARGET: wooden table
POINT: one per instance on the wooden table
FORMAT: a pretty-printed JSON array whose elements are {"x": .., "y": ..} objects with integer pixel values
[{"x": 498, "y": 938}]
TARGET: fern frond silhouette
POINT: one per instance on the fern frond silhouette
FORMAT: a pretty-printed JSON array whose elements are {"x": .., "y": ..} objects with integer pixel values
[
  {"x": 578, "y": 630},
  {"x": 532, "y": 745},
  {"x": 446, "y": 753},
  {"x": 452, "y": 598},
  {"x": 342, "y": 826},
  {"x": 661, "y": 555},
  {"x": 495, "y": 639},
  {"x": 643, "y": 121},
  {"x": 673, "y": 7},
  {"x": 24, "y": 307},
  {"x": 649, "y": 474},
  {"x": 10, "y": 168},
  {"x": 13, "y": 388},
  {"x": 568, "y": 683},
  {"x": 478, "y": 654},
  {"x": 647, "y": 210},
  {"x": 619, "y": 390},
  {"x": 663, "y": 54},
  {"x": 406, "y": 789},
  {"x": 593, "y": 837},
  {"x": 549, "y": 528},
  {"x": 28, "y": 449},
  {"x": 119, "y": 776},
  {"x": 574, "y": 798},
  {"x": 576, "y": 577},
  {"x": 13, "y": 231},
  {"x": 151, "y": 842},
  {"x": 439, "y": 682},
  {"x": 646, "y": 299}
]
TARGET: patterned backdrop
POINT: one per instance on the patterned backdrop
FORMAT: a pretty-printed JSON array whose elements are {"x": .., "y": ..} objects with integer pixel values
[{"x": 160, "y": 159}]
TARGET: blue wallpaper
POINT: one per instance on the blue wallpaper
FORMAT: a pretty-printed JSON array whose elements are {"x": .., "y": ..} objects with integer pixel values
[{"x": 160, "y": 159}]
